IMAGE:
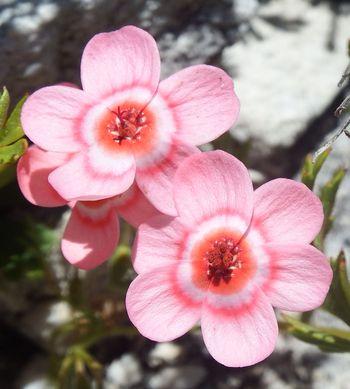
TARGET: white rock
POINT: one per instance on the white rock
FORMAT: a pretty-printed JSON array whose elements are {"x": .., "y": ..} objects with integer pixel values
[
  {"x": 257, "y": 177},
  {"x": 42, "y": 321},
  {"x": 39, "y": 383},
  {"x": 288, "y": 77},
  {"x": 245, "y": 9},
  {"x": 184, "y": 377},
  {"x": 338, "y": 237},
  {"x": 164, "y": 352},
  {"x": 124, "y": 372},
  {"x": 32, "y": 376}
]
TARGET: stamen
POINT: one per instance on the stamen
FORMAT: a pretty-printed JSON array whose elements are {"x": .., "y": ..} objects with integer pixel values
[
  {"x": 222, "y": 259},
  {"x": 127, "y": 125}
]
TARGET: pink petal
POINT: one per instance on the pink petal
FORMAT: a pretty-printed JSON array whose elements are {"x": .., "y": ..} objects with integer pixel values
[
  {"x": 156, "y": 181},
  {"x": 51, "y": 117},
  {"x": 133, "y": 207},
  {"x": 287, "y": 211},
  {"x": 93, "y": 176},
  {"x": 118, "y": 60},
  {"x": 301, "y": 276},
  {"x": 239, "y": 336},
  {"x": 156, "y": 309},
  {"x": 32, "y": 174},
  {"x": 211, "y": 183},
  {"x": 91, "y": 235},
  {"x": 203, "y": 102},
  {"x": 162, "y": 235}
]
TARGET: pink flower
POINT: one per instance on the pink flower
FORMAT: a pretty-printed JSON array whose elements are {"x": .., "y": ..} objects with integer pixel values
[
  {"x": 125, "y": 125},
  {"x": 229, "y": 257},
  {"x": 92, "y": 232}
]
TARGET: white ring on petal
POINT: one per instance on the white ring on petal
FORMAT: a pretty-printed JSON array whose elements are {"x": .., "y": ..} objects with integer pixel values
[
  {"x": 185, "y": 283},
  {"x": 254, "y": 240},
  {"x": 165, "y": 127},
  {"x": 229, "y": 222},
  {"x": 137, "y": 95},
  {"x": 95, "y": 212}
]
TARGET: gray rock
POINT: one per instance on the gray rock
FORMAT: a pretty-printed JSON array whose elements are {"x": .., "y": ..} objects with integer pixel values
[
  {"x": 166, "y": 352},
  {"x": 285, "y": 75},
  {"x": 338, "y": 238},
  {"x": 43, "y": 319},
  {"x": 124, "y": 372},
  {"x": 182, "y": 377},
  {"x": 33, "y": 375}
]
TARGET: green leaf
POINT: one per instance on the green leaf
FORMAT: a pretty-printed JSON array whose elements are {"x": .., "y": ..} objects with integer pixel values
[
  {"x": 338, "y": 298},
  {"x": 79, "y": 369},
  {"x": 4, "y": 106},
  {"x": 7, "y": 174},
  {"x": 311, "y": 168},
  {"x": 13, "y": 128},
  {"x": 119, "y": 264},
  {"x": 24, "y": 247},
  {"x": 327, "y": 196},
  {"x": 327, "y": 339},
  {"x": 11, "y": 153}
]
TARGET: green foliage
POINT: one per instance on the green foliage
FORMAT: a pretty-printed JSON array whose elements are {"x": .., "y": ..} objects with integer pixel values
[
  {"x": 78, "y": 368},
  {"x": 23, "y": 249},
  {"x": 7, "y": 174},
  {"x": 11, "y": 153},
  {"x": 12, "y": 142},
  {"x": 4, "y": 106},
  {"x": 310, "y": 168},
  {"x": 12, "y": 131},
  {"x": 119, "y": 264},
  {"x": 328, "y": 195},
  {"x": 327, "y": 339},
  {"x": 338, "y": 299}
]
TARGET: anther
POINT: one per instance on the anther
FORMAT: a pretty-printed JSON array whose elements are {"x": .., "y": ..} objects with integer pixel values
[
  {"x": 222, "y": 259},
  {"x": 127, "y": 125}
]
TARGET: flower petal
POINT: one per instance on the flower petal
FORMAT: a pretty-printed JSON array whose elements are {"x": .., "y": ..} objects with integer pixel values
[
  {"x": 93, "y": 176},
  {"x": 210, "y": 183},
  {"x": 156, "y": 181},
  {"x": 33, "y": 170},
  {"x": 156, "y": 309},
  {"x": 120, "y": 59},
  {"x": 287, "y": 211},
  {"x": 51, "y": 117},
  {"x": 91, "y": 235},
  {"x": 162, "y": 235},
  {"x": 301, "y": 276},
  {"x": 133, "y": 207},
  {"x": 203, "y": 102},
  {"x": 239, "y": 336}
]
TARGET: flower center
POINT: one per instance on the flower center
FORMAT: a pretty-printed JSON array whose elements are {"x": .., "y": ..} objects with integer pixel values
[
  {"x": 222, "y": 259},
  {"x": 127, "y": 125}
]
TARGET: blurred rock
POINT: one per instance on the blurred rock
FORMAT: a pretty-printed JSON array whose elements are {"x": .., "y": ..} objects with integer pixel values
[
  {"x": 285, "y": 72},
  {"x": 124, "y": 372},
  {"x": 32, "y": 376},
  {"x": 339, "y": 237},
  {"x": 41, "y": 42},
  {"x": 166, "y": 352},
  {"x": 40, "y": 323},
  {"x": 182, "y": 377}
]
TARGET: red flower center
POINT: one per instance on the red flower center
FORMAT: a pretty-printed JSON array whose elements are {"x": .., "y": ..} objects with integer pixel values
[
  {"x": 127, "y": 127},
  {"x": 222, "y": 258},
  {"x": 223, "y": 261}
]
